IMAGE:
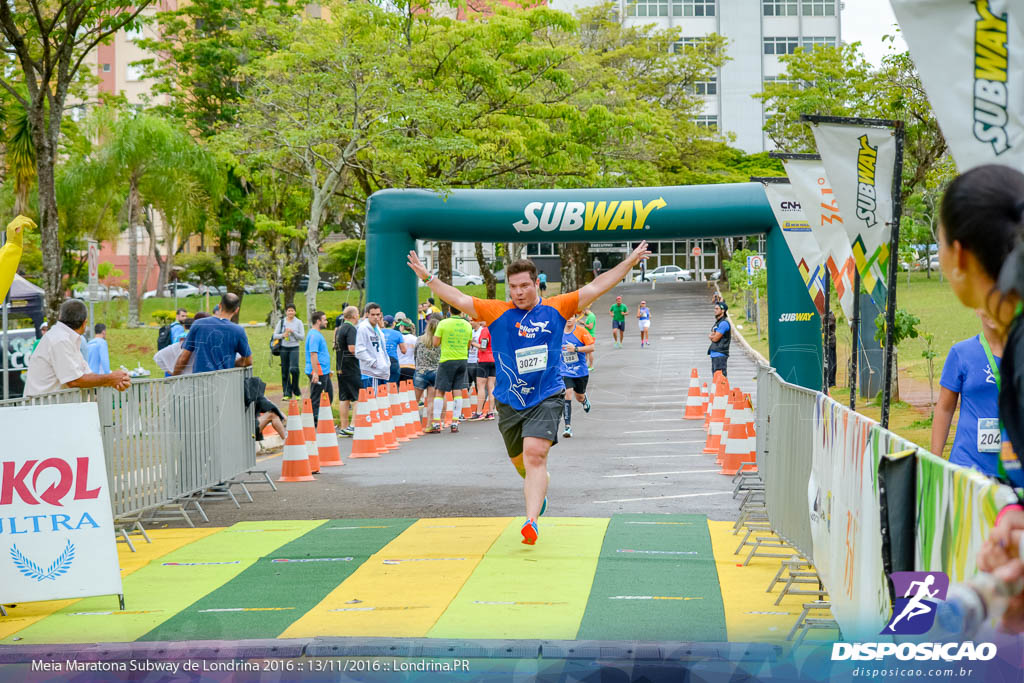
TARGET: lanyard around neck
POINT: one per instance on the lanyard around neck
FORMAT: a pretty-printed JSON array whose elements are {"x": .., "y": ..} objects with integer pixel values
[{"x": 991, "y": 361}]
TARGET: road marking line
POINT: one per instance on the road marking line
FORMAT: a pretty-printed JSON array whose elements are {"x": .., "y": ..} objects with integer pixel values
[
  {"x": 681, "y": 495},
  {"x": 658, "y": 443},
  {"x": 680, "y": 429},
  {"x": 654, "y": 474},
  {"x": 675, "y": 455}
]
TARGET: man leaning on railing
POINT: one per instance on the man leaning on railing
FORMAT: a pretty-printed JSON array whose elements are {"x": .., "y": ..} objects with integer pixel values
[{"x": 58, "y": 363}]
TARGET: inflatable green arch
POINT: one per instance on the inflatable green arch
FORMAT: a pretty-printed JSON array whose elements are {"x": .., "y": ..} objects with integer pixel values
[{"x": 395, "y": 219}]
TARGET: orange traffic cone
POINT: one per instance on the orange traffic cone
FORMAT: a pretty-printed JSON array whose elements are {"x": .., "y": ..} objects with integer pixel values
[
  {"x": 309, "y": 429},
  {"x": 731, "y": 415},
  {"x": 295, "y": 463},
  {"x": 362, "y": 441},
  {"x": 748, "y": 408},
  {"x": 397, "y": 413},
  {"x": 717, "y": 418},
  {"x": 378, "y": 427},
  {"x": 412, "y": 410},
  {"x": 467, "y": 405},
  {"x": 735, "y": 444},
  {"x": 693, "y": 403},
  {"x": 704, "y": 400},
  {"x": 326, "y": 438},
  {"x": 386, "y": 422},
  {"x": 711, "y": 398},
  {"x": 449, "y": 404}
]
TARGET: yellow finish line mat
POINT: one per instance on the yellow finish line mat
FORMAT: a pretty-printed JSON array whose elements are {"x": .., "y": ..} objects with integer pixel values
[{"x": 631, "y": 577}]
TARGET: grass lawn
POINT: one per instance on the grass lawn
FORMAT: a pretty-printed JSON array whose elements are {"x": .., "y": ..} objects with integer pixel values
[{"x": 941, "y": 314}]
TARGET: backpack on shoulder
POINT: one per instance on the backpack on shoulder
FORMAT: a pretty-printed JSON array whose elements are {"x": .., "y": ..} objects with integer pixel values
[{"x": 163, "y": 337}]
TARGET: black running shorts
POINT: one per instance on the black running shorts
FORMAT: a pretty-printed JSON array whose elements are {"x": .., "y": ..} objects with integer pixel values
[
  {"x": 577, "y": 384},
  {"x": 451, "y": 376},
  {"x": 540, "y": 421}
]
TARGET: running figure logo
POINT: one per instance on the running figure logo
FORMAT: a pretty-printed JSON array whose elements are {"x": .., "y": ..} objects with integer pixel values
[{"x": 914, "y": 613}]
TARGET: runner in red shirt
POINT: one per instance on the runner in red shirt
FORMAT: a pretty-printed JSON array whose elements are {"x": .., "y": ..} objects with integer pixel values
[{"x": 485, "y": 374}]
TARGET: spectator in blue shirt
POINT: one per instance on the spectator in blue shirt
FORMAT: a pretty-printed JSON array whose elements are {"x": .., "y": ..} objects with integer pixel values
[
  {"x": 318, "y": 364},
  {"x": 216, "y": 342},
  {"x": 393, "y": 342},
  {"x": 543, "y": 280},
  {"x": 98, "y": 352},
  {"x": 721, "y": 336},
  {"x": 178, "y": 330}
]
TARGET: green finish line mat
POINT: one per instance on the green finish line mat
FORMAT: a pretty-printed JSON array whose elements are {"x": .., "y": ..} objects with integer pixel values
[{"x": 631, "y": 577}]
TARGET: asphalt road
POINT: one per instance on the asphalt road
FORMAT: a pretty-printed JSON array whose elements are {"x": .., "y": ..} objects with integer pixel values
[{"x": 633, "y": 453}]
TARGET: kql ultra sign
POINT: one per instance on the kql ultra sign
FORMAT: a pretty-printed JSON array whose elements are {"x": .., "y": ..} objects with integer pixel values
[{"x": 56, "y": 525}]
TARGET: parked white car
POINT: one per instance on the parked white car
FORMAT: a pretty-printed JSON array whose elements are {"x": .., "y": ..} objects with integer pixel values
[
  {"x": 103, "y": 293},
  {"x": 668, "y": 273},
  {"x": 460, "y": 279},
  {"x": 184, "y": 289}
]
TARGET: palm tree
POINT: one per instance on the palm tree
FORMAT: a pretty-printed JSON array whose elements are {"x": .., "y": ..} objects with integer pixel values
[
  {"x": 21, "y": 156},
  {"x": 162, "y": 168}
]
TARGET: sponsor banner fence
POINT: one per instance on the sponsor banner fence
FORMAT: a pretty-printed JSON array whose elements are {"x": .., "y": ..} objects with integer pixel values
[
  {"x": 164, "y": 438},
  {"x": 814, "y": 193},
  {"x": 860, "y": 163},
  {"x": 956, "y": 508},
  {"x": 971, "y": 59},
  {"x": 56, "y": 527},
  {"x": 808, "y": 443},
  {"x": 784, "y": 449},
  {"x": 800, "y": 240}
]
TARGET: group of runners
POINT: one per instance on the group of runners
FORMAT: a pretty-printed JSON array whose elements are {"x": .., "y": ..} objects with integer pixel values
[{"x": 542, "y": 356}]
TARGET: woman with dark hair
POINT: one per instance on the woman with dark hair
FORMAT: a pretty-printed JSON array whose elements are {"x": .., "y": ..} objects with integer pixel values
[{"x": 981, "y": 251}]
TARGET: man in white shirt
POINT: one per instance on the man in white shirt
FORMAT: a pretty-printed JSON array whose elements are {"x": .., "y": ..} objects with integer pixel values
[
  {"x": 374, "y": 362},
  {"x": 57, "y": 362}
]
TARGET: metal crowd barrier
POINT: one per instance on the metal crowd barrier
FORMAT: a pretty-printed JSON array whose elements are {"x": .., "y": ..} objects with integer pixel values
[
  {"x": 784, "y": 454},
  {"x": 168, "y": 438}
]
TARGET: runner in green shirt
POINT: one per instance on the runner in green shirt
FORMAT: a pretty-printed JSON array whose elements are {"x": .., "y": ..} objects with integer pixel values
[
  {"x": 618, "y": 312},
  {"x": 589, "y": 323},
  {"x": 453, "y": 336}
]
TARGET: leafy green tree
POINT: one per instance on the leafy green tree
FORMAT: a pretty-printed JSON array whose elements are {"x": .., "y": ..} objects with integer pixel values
[
  {"x": 203, "y": 46},
  {"x": 345, "y": 259},
  {"x": 201, "y": 268},
  {"x": 336, "y": 94},
  {"x": 50, "y": 41},
  {"x": 838, "y": 81}
]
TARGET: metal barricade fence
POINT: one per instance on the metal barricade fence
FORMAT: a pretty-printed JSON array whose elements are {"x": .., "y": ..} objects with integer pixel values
[
  {"x": 169, "y": 437},
  {"x": 784, "y": 454}
]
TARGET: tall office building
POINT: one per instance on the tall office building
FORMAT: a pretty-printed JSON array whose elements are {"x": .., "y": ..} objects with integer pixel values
[{"x": 757, "y": 31}]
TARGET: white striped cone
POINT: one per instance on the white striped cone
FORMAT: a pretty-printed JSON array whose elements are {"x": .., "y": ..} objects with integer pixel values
[
  {"x": 718, "y": 407},
  {"x": 692, "y": 409},
  {"x": 412, "y": 411},
  {"x": 295, "y": 462},
  {"x": 387, "y": 421},
  {"x": 731, "y": 415},
  {"x": 397, "y": 413},
  {"x": 309, "y": 429},
  {"x": 378, "y": 427}
]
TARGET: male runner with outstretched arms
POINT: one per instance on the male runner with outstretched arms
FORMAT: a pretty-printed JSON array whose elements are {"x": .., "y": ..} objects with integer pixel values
[{"x": 526, "y": 338}]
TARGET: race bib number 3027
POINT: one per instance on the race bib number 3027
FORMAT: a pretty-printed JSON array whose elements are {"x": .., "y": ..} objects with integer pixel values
[{"x": 531, "y": 359}]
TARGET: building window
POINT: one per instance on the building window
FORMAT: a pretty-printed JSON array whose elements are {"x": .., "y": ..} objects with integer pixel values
[
  {"x": 541, "y": 249},
  {"x": 106, "y": 68},
  {"x": 819, "y": 8},
  {"x": 810, "y": 42},
  {"x": 133, "y": 72},
  {"x": 706, "y": 87},
  {"x": 780, "y": 8},
  {"x": 782, "y": 80},
  {"x": 693, "y": 43},
  {"x": 707, "y": 121},
  {"x": 648, "y": 8},
  {"x": 781, "y": 45},
  {"x": 694, "y": 8}
]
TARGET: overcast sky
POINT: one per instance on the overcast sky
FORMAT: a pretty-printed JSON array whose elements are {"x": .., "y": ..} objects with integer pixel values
[{"x": 867, "y": 21}]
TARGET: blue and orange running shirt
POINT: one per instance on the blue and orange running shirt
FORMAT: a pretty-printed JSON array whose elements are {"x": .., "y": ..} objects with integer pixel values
[
  {"x": 527, "y": 347},
  {"x": 574, "y": 363}
]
